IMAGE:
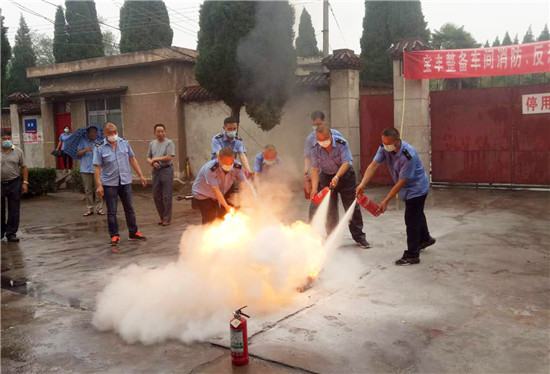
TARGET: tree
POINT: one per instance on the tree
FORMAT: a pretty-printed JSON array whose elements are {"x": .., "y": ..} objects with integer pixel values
[
  {"x": 60, "y": 37},
  {"x": 496, "y": 43},
  {"x": 529, "y": 37},
  {"x": 486, "y": 45},
  {"x": 506, "y": 40},
  {"x": 388, "y": 22},
  {"x": 23, "y": 58},
  {"x": 306, "y": 43},
  {"x": 450, "y": 36},
  {"x": 110, "y": 45},
  {"x": 144, "y": 25},
  {"x": 516, "y": 40},
  {"x": 544, "y": 35},
  {"x": 83, "y": 32},
  {"x": 6, "y": 55},
  {"x": 43, "y": 48}
]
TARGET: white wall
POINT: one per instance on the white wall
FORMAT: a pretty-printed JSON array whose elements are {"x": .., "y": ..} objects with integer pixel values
[
  {"x": 204, "y": 120},
  {"x": 34, "y": 152}
]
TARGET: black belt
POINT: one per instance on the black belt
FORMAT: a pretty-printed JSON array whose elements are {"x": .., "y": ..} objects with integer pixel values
[
  {"x": 166, "y": 166},
  {"x": 11, "y": 181}
]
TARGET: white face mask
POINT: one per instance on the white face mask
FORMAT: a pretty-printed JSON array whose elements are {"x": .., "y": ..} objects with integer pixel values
[
  {"x": 227, "y": 167},
  {"x": 269, "y": 162},
  {"x": 66, "y": 130},
  {"x": 389, "y": 148},
  {"x": 112, "y": 138},
  {"x": 325, "y": 143}
]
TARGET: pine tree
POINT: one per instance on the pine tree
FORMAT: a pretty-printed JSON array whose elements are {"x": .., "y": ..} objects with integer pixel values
[
  {"x": 544, "y": 35},
  {"x": 496, "y": 43},
  {"x": 516, "y": 40},
  {"x": 388, "y": 22},
  {"x": 144, "y": 25},
  {"x": 60, "y": 37},
  {"x": 306, "y": 43},
  {"x": 6, "y": 55},
  {"x": 506, "y": 40},
  {"x": 486, "y": 45},
  {"x": 529, "y": 37},
  {"x": 23, "y": 58},
  {"x": 84, "y": 35}
]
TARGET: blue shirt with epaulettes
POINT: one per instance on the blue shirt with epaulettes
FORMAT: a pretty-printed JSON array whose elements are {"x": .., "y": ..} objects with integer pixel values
[
  {"x": 221, "y": 140},
  {"x": 115, "y": 164},
  {"x": 311, "y": 141},
  {"x": 212, "y": 174},
  {"x": 329, "y": 161}
]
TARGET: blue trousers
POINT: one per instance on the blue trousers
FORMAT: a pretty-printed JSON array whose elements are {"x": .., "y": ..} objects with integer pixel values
[{"x": 112, "y": 193}]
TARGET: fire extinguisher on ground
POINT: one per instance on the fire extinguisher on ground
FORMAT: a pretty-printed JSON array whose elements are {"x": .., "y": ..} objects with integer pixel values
[{"x": 239, "y": 338}]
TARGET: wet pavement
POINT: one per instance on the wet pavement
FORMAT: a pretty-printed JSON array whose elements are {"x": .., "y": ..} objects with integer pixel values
[{"x": 478, "y": 302}]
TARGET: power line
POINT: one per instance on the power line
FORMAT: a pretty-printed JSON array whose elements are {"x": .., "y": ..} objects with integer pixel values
[{"x": 337, "y": 24}]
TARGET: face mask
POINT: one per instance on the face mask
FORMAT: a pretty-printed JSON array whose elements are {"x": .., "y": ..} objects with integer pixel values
[
  {"x": 66, "y": 130},
  {"x": 227, "y": 167},
  {"x": 112, "y": 138},
  {"x": 389, "y": 148},
  {"x": 6, "y": 143},
  {"x": 325, "y": 143},
  {"x": 269, "y": 162},
  {"x": 231, "y": 134},
  {"x": 314, "y": 128}
]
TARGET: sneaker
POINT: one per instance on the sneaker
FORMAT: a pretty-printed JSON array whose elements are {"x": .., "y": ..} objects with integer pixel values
[
  {"x": 13, "y": 239},
  {"x": 137, "y": 236},
  {"x": 115, "y": 240},
  {"x": 101, "y": 212},
  {"x": 407, "y": 261},
  {"x": 88, "y": 214},
  {"x": 427, "y": 243},
  {"x": 363, "y": 243}
]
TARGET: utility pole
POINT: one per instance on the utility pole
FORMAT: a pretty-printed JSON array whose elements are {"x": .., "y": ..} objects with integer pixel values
[{"x": 325, "y": 28}]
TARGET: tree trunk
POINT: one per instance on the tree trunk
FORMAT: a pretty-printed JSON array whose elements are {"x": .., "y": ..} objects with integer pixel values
[{"x": 236, "y": 111}]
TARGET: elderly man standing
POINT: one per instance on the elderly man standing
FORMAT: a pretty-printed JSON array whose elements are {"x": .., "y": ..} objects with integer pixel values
[
  {"x": 159, "y": 156},
  {"x": 13, "y": 168},
  {"x": 85, "y": 151},
  {"x": 112, "y": 160}
]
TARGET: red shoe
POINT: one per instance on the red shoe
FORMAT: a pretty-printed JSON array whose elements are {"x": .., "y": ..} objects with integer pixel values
[
  {"x": 114, "y": 240},
  {"x": 137, "y": 236}
]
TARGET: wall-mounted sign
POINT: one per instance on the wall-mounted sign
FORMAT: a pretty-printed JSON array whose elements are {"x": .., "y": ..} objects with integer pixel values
[
  {"x": 30, "y": 126},
  {"x": 33, "y": 138},
  {"x": 535, "y": 103}
]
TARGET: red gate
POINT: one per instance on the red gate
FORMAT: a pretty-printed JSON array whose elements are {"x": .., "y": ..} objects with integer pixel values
[
  {"x": 481, "y": 136},
  {"x": 376, "y": 113}
]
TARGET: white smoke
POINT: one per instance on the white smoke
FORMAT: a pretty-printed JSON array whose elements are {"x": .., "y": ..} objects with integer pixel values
[{"x": 251, "y": 259}]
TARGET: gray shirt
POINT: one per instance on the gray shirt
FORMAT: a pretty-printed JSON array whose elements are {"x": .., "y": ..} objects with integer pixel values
[
  {"x": 12, "y": 162},
  {"x": 165, "y": 148}
]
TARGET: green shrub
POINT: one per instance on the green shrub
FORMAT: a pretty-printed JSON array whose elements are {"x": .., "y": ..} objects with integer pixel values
[
  {"x": 76, "y": 181},
  {"x": 42, "y": 181}
]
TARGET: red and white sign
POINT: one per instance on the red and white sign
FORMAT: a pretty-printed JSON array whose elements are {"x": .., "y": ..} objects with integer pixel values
[
  {"x": 480, "y": 62},
  {"x": 535, "y": 103},
  {"x": 33, "y": 138}
]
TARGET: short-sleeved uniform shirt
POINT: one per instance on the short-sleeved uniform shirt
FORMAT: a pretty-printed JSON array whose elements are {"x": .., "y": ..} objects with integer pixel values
[
  {"x": 329, "y": 161},
  {"x": 86, "y": 160},
  {"x": 115, "y": 165},
  {"x": 161, "y": 149},
  {"x": 11, "y": 163},
  {"x": 64, "y": 137},
  {"x": 405, "y": 164},
  {"x": 311, "y": 141},
  {"x": 259, "y": 164},
  {"x": 211, "y": 174},
  {"x": 221, "y": 140}
]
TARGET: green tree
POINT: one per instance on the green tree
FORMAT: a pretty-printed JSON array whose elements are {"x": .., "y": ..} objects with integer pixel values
[
  {"x": 144, "y": 25},
  {"x": 529, "y": 37},
  {"x": 60, "y": 37},
  {"x": 110, "y": 45},
  {"x": 388, "y": 22},
  {"x": 516, "y": 40},
  {"x": 544, "y": 35},
  {"x": 267, "y": 62},
  {"x": 496, "y": 43},
  {"x": 450, "y": 36},
  {"x": 83, "y": 32},
  {"x": 486, "y": 45},
  {"x": 23, "y": 58},
  {"x": 6, "y": 55},
  {"x": 43, "y": 49},
  {"x": 306, "y": 43},
  {"x": 506, "y": 40}
]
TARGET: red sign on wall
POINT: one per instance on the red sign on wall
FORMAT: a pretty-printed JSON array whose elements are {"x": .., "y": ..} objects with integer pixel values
[{"x": 480, "y": 62}]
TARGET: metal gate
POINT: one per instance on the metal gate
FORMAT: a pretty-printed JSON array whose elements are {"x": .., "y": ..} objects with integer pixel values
[
  {"x": 376, "y": 113},
  {"x": 481, "y": 136}
]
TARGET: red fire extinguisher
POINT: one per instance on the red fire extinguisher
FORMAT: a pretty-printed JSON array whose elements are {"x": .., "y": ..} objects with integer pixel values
[
  {"x": 321, "y": 195},
  {"x": 368, "y": 204},
  {"x": 239, "y": 338}
]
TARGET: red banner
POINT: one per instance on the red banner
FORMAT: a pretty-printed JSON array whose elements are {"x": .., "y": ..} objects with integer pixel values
[{"x": 480, "y": 62}]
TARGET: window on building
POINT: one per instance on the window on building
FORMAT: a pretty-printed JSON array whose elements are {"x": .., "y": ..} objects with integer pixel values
[{"x": 105, "y": 109}]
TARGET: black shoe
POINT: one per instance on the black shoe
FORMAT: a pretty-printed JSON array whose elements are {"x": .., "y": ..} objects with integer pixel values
[
  {"x": 13, "y": 239},
  {"x": 363, "y": 243},
  {"x": 407, "y": 261},
  {"x": 427, "y": 243}
]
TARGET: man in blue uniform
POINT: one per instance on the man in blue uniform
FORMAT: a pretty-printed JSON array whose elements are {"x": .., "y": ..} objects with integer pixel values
[
  {"x": 333, "y": 156},
  {"x": 412, "y": 185},
  {"x": 228, "y": 138},
  {"x": 85, "y": 152},
  {"x": 212, "y": 186},
  {"x": 266, "y": 159},
  {"x": 112, "y": 160}
]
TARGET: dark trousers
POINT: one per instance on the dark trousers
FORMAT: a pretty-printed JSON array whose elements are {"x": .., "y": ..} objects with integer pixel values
[
  {"x": 11, "y": 198},
  {"x": 211, "y": 209},
  {"x": 346, "y": 189},
  {"x": 417, "y": 227},
  {"x": 112, "y": 193},
  {"x": 67, "y": 161},
  {"x": 163, "y": 182}
]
